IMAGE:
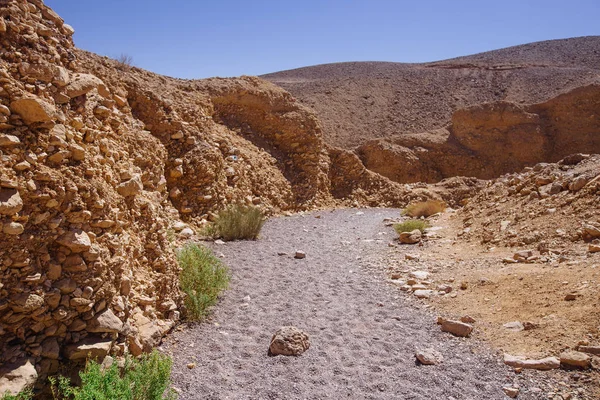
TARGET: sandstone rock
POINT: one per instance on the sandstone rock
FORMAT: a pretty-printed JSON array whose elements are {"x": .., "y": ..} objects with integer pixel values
[
  {"x": 131, "y": 187},
  {"x": 420, "y": 275},
  {"x": 578, "y": 183},
  {"x": 10, "y": 201},
  {"x": 13, "y": 228},
  {"x": 89, "y": 348},
  {"x": 523, "y": 255},
  {"x": 33, "y": 110},
  {"x": 82, "y": 84},
  {"x": 423, "y": 293},
  {"x": 76, "y": 240},
  {"x": 289, "y": 341},
  {"x": 410, "y": 237},
  {"x": 26, "y": 302},
  {"x": 575, "y": 359},
  {"x": 15, "y": 378},
  {"x": 594, "y": 248},
  {"x": 105, "y": 321},
  {"x": 591, "y": 230},
  {"x": 515, "y": 326},
  {"x": 429, "y": 356},
  {"x": 66, "y": 285},
  {"x": 468, "y": 319},
  {"x": 9, "y": 140},
  {"x": 511, "y": 391},
  {"x": 300, "y": 254},
  {"x": 544, "y": 364},
  {"x": 456, "y": 328},
  {"x": 595, "y": 350}
]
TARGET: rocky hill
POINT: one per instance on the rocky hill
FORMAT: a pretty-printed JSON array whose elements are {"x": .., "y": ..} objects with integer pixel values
[{"x": 476, "y": 115}]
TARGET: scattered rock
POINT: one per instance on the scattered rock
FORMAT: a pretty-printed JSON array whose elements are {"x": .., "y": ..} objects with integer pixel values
[
  {"x": 511, "y": 391},
  {"x": 289, "y": 341},
  {"x": 420, "y": 275},
  {"x": 543, "y": 364},
  {"x": 423, "y": 293},
  {"x": 594, "y": 248},
  {"x": 515, "y": 326},
  {"x": 467, "y": 319},
  {"x": 575, "y": 359},
  {"x": 413, "y": 237},
  {"x": 131, "y": 187},
  {"x": 429, "y": 356},
  {"x": 186, "y": 233},
  {"x": 572, "y": 296},
  {"x": 457, "y": 328},
  {"x": 595, "y": 350},
  {"x": 300, "y": 254}
]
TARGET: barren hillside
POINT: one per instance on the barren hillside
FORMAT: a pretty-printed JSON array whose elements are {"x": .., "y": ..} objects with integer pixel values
[{"x": 361, "y": 101}]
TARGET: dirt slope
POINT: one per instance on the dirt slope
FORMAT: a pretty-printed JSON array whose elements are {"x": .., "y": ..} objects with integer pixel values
[{"x": 361, "y": 101}]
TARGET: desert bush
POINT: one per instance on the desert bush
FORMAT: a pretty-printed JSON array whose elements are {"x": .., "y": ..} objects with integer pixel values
[
  {"x": 148, "y": 378},
  {"x": 125, "y": 61},
  {"x": 239, "y": 222},
  {"x": 410, "y": 225},
  {"x": 424, "y": 208},
  {"x": 203, "y": 276},
  {"x": 24, "y": 395}
]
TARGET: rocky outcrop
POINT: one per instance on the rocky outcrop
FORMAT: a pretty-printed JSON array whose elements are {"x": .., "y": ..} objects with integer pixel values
[{"x": 488, "y": 140}]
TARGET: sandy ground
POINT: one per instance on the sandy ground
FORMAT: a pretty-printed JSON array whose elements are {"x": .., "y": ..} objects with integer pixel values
[{"x": 363, "y": 331}]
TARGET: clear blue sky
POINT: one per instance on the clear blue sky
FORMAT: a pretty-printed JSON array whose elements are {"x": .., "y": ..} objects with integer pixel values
[{"x": 203, "y": 38}]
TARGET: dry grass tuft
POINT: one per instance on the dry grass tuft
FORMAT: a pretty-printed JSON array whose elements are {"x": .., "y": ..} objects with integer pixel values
[
  {"x": 411, "y": 225},
  {"x": 424, "y": 208}
]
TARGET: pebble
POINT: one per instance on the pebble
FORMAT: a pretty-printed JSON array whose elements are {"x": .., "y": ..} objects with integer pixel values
[{"x": 300, "y": 254}]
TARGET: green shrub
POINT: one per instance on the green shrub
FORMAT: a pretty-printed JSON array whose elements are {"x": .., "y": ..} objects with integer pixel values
[
  {"x": 410, "y": 225},
  {"x": 424, "y": 208},
  {"x": 239, "y": 222},
  {"x": 27, "y": 394},
  {"x": 202, "y": 278},
  {"x": 148, "y": 378}
]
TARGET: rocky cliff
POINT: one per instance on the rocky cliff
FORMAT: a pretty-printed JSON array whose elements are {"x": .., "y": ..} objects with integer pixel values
[{"x": 101, "y": 162}]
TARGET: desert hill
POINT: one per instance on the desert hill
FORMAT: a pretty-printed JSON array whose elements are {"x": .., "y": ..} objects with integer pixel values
[{"x": 361, "y": 101}]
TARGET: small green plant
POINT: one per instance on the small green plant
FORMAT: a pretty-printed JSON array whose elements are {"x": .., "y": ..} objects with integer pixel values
[
  {"x": 148, "y": 378},
  {"x": 239, "y": 222},
  {"x": 410, "y": 225},
  {"x": 27, "y": 394},
  {"x": 424, "y": 208},
  {"x": 203, "y": 276}
]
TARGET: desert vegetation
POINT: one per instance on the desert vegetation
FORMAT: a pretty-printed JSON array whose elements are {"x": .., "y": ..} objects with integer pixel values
[
  {"x": 424, "y": 208},
  {"x": 203, "y": 276},
  {"x": 239, "y": 222},
  {"x": 410, "y": 225}
]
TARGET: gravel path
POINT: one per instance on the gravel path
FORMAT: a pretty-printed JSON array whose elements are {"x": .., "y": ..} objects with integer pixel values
[{"x": 363, "y": 331}]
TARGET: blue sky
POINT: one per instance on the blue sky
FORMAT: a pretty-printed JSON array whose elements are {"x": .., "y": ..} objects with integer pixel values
[{"x": 203, "y": 38}]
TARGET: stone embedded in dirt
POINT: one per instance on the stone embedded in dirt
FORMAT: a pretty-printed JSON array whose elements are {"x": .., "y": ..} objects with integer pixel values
[
  {"x": 130, "y": 187},
  {"x": 467, "y": 319},
  {"x": 76, "y": 240},
  {"x": 186, "y": 233},
  {"x": 457, "y": 328},
  {"x": 594, "y": 248},
  {"x": 413, "y": 237},
  {"x": 10, "y": 201},
  {"x": 13, "y": 228},
  {"x": 591, "y": 230},
  {"x": 289, "y": 341},
  {"x": 423, "y": 293},
  {"x": 33, "y": 109},
  {"x": 300, "y": 254},
  {"x": 515, "y": 326},
  {"x": 511, "y": 392},
  {"x": 572, "y": 296},
  {"x": 8, "y": 140},
  {"x": 412, "y": 257},
  {"x": 543, "y": 364},
  {"x": 523, "y": 255},
  {"x": 527, "y": 325},
  {"x": 444, "y": 288},
  {"x": 464, "y": 285},
  {"x": 575, "y": 359},
  {"x": 16, "y": 377},
  {"x": 420, "y": 275},
  {"x": 89, "y": 348},
  {"x": 82, "y": 84},
  {"x": 595, "y": 350},
  {"x": 429, "y": 356}
]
